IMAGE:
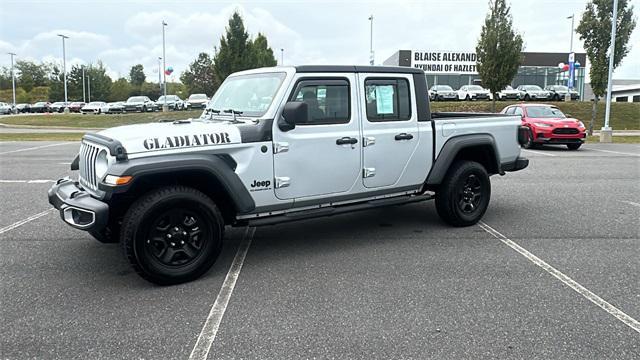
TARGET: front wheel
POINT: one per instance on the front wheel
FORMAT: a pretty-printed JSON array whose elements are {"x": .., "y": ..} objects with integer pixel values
[
  {"x": 172, "y": 235},
  {"x": 529, "y": 144},
  {"x": 464, "y": 195},
  {"x": 575, "y": 146}
]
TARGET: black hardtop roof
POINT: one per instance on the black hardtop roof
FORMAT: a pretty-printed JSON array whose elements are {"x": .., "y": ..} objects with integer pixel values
[{"x": 358, "y": 69}]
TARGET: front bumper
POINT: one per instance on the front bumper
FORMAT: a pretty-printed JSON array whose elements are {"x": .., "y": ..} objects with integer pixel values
[
  {"x": 547, "y": 136},
  {"x": 77, "y": 207}
]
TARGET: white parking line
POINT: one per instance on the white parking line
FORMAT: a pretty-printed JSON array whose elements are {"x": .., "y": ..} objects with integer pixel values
[
  {"x": 35, "y": 148},
  {"x": 24, "y": 221},
  {"x": 631, "y": 203},
  {"x": 38, "y": 181},
  {"x": 539, "y": 152},
  {"x": 631, "y": 322},
  {"x": 613, "y": 152},
  {"x": 212, "y": 324}
]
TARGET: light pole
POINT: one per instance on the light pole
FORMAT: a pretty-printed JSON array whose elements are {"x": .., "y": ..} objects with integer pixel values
[
  {"x": 13, "y": 81},
  {"x": 606, "y": 133},
  {"x": 164, "y": 66},
  {"x": 84, "y": 99},
  {"x": 567, "y": 96},
  {"x": 572, "y": 17},
  {"x": 64, "y": 69},
  {"x": 371, "y": 55},
  {"x": 160, "y": 73},
  {"x": 89, "y": 86},
  {"x": 281, "y": 57}
]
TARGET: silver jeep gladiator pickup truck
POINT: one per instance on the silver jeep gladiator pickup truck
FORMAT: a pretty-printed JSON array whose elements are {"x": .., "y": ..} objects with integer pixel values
[{"x": 282, "y": 144}]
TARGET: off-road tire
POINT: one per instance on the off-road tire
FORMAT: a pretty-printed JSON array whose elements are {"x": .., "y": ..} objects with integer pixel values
[
  {"x": 140, "y": 223},
  {"x": 575, "y": 146},
  {"x": 452, "y": 193}
]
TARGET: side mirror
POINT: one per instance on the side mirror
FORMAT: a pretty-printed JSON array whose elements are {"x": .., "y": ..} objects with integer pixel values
[{"x": 293, "y": 112}]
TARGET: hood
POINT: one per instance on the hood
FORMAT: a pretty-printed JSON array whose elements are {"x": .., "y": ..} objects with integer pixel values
[
  {"x": 151, "y": 137},
  {"x": 556, "y": 121}
]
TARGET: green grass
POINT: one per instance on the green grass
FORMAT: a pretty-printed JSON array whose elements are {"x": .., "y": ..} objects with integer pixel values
[
  {"x": 617, "y": 139},
  {"x": 41, "y": 136},
  {"x": 96, "y": 121},
  {"x": 624, "y": 116}
]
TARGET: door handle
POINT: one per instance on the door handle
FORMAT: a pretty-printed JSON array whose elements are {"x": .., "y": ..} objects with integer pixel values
[
  {"x": 346, "y": 141},
  {"x": 404, "y": 136}
]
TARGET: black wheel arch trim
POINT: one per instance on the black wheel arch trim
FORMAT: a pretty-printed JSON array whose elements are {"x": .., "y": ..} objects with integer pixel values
[
  {"x": 452, "y": 148},
  {"x": 220, "y": 167}
]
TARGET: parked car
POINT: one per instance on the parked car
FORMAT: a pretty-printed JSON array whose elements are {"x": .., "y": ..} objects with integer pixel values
[
  {"x": 139, "y": 103},
  {"x": 5, "y": 108},
  {"x": 173, "y": 102},
  {"x": 23, "y": 108},
  {"x": 548, "y": 125},
  {"x": 41, "y": 107},
  {"x": 94, "y": 107},
  {"x": 508, "y": 93},
  {"x": 76, "y": 106},
  {"x": 559, "y": 92},
  {"x": 197, "y": 101},
  {"x": 473, "y": 92},
  {"x": 442, "y": 92},
  {"x": 113, "y": 107},
  {"x": 533, "y": 92},
  {"x": 157, "y": 190},
  {"x": 58, "y": 106}
]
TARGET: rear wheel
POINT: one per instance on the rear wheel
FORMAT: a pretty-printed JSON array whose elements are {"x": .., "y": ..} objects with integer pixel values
[
  {"x": 467, "y": 98},
  {"x": 575, "y": 146},
  {"x": 464, "y": 195},
  {"x": 172, "y": 235}
]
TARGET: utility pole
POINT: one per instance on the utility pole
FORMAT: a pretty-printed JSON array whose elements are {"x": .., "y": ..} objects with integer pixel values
[
  {"x": 64, "y": 69},
  {"x": 84, "y": 99},
  {"x": 165, "y": 108},
  {"x": 160, "y": 73},
  {"x": 13, "y": 81},
  {"x": 89, "y": 86},
  {"x": 371, "y": 56},
  {"x": 606, "y": 133},
  {"x": 281, "y": 57}
]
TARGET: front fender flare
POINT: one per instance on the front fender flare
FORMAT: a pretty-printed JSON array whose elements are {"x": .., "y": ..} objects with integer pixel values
[{"x": 221, "y": 167}]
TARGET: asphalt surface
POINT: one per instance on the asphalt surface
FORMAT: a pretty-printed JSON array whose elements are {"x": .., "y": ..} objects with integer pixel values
[{"x": 386, "y": 283}]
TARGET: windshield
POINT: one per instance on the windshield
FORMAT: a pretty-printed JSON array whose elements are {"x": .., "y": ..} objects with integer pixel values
[
  {"x": 169, "y": 98},
  {"x": 561, "y": 88},
  {"x": 251, "y": 94},
  {"x": 544, "y": 112},
  {"x": 136, "y": 99},
  {"x": 444, "y": 88},
  {"x": 198, "y": 97},
  {"x": 508, "y": 87},
  {"x": 534, "y": 88},
  {"x": 475, "y": 88},
  {"x": 95, "y": 103}
]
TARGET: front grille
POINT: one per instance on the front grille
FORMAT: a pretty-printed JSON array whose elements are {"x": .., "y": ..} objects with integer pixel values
[
  {"x": 565, "y": 131},
  {"x": 88, "y": 155}
]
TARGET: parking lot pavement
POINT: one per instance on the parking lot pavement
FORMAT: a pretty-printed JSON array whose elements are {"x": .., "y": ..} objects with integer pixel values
[{"x": 387, "y": 283}]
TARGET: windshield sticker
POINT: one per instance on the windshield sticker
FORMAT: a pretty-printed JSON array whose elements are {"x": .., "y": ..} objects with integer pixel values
[{"x": 171, "y": 142}]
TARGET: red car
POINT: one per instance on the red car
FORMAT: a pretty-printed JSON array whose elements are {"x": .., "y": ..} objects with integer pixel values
[
  {"x": 548, "y": 125},
  {"x": 76, "y": 106}
]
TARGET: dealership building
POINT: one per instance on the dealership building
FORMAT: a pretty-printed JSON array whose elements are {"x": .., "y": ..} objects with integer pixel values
[{"x": 458, "y": 68}]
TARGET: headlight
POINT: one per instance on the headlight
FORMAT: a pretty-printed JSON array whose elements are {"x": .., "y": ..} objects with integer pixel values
[
  {"x": 543, "y": 125},
  {"x": 102, "y": 164},
  {"x": 580, "y": 124}
]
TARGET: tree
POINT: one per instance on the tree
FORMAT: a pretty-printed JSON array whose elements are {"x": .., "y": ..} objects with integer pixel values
[
  {"x": 56, "y": 84},
  {"x": 200, "y": 77},
  {"x": 120, "y": 90},
  {"x": 498, "y": 50},
  {"x": 136, "y": 75},
  {"x": 262, "y": 53},
  {"x": 74, "y": 83},
  {"x": 235, "y": 49},
  {"x": 96, "y": 76},
  {"x": 595, "y": 31},
  {"x": 32, "y": 74}
]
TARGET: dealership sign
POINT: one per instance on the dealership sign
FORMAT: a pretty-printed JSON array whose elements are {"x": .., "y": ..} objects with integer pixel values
[{"x": 439, "y": 62}]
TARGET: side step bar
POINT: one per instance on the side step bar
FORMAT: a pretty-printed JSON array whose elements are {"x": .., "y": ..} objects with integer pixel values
[{"x": 336, "y": 210}]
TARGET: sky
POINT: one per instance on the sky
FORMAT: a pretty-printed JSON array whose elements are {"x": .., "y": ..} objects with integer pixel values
[{"x": 125, "y": 33}]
